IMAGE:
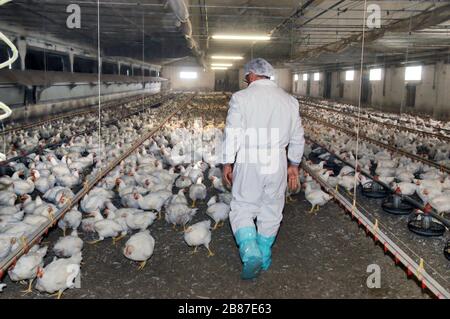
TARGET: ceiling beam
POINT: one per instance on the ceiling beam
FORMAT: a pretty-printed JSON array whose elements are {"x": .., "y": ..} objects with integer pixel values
[{"x": 416, "y": 22}]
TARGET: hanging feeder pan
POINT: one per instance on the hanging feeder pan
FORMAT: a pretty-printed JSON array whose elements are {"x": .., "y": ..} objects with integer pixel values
[
  {"x": 447, "y": 250},
  {"x": 425, "y": 225},
  {"x": 332, "y": 166},
  {"x": 374, "y": 190},
  {"x": 6, "y": 170},
  {"x": 396, "y": 206},
  {"x": 313, "y": 156}
]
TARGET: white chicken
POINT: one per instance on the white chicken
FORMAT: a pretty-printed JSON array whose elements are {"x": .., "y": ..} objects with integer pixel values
[
  {"x": 7, "y": 198},
  {"x": 71, "y": 220},
  {"x": 178, "y": 198},
  {"x": 218, "y": 211},
  {"x": 179, "y": 214},
  {"x": 427, "y": 194},
  {"x": 348, "y": 182},
  {"x": 93, "y": 202},
  {"x": 106, "y": 228},
  {"x": 140, "y": 220},
  {"x": 441, "y": 203},
  {"x": 42, "y": 183},
  {"x": 436, "y": 184},
  {"x": 140, "y": 247},
  {"x": 406, "y": 188},
  {"x": 68, "y": 246},
  {"x": 5, "y": 246},
  {"x": 197, "y": 191},
  {"x": 195, "y": 173},
  {"x": 152, "y": 201},
  {"x": 29, "y": 205},
  {"x": 59, "y": 275},
  {"x": 183, "y": 182},
  {"x": 199, "y": 234},
  {"x": 22, "y": 187},
  {"x": 218, "y": 184},
  {"x": 316, "y": 197},
  {"x": 27, "y": 266}
]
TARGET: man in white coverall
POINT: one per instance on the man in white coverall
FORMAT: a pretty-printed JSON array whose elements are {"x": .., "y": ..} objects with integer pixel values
[{"x": 262, "y": 121}]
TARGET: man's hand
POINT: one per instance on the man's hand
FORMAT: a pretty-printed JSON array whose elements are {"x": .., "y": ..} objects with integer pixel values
[
  {"x": 293, "y": 177},
  {"x": 227, "y": 174}
]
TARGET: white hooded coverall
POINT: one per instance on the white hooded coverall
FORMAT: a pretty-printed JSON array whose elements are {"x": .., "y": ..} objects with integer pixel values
[{"x": 262, "y": 120}]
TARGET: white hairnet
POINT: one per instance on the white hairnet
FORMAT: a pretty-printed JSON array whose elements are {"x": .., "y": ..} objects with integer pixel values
[{"x": 259, "y": 67}]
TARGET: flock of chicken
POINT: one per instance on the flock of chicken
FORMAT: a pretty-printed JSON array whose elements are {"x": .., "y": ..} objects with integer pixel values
[
  {"x": 403, "y": 174},
  {"x": 421, "y": 123},
  {"x": 54, "y": 132},
  {"x": 430, "y": 147},
  {"x": 166, "y": 174},
  {"x": 159, "y": 176}
]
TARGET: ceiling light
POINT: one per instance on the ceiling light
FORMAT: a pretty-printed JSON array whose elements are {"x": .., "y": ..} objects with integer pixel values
[
  {"x": 226, "y": 57},
  {"x": 222, "y": 64},
  {"x": 219, "y": 68},
  {"x": 241, "y": 37}
]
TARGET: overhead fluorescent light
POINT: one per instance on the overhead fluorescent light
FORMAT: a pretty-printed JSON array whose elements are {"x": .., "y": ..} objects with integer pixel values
[
  {"x": 219, "y": 68},
  {"x": 222, "y": 64},
  {"x": 305, "y": 76},
  {"x": 316, "y": 76},
  {"x": 295, "y": 77},
  {"x": 241, "y": 37},
  {"x": 226, "y": 57}
]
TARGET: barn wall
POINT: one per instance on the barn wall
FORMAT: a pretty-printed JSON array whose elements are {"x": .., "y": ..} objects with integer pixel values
[
  {"x": 59, "y": 98},
  {"x": 389, "y": 94},
  {"x": 204, "y": 82},
  {"x": 283, "y": 78}
]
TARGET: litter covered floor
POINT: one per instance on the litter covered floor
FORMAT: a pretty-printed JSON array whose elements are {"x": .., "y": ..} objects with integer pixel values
[{"x": 315, "y": 256}]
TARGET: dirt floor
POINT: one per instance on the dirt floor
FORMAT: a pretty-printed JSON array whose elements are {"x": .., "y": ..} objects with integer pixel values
[{"x": 315, "y": 256}]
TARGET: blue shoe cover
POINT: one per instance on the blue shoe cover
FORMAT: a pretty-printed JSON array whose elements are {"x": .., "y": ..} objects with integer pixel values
[
  {"x": 250, "y": 254},
  {"x": 265, "y": 246}
]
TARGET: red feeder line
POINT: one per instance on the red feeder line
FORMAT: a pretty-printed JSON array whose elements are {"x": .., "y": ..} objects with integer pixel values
[
  {"x": 424, "y": 286},
  {"x": 13, "y": 264},
  {"x": 408, "y": 272}
]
